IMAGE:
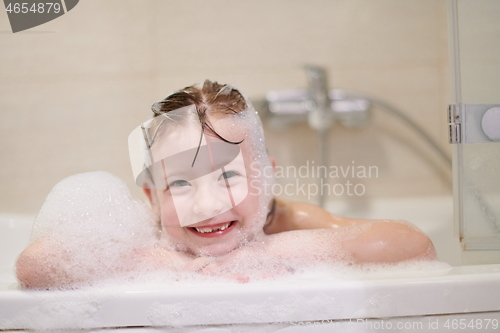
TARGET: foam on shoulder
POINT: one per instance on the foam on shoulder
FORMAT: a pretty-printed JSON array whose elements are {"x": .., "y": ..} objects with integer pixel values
[{"x": 91, "y": 227}]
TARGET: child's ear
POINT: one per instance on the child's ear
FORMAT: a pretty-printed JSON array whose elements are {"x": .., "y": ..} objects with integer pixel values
[
  {"x": 153, "y": 200},
  {"x": 273, "y": 162}
]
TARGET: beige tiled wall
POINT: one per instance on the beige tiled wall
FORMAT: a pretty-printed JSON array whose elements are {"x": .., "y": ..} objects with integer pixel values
[
  {"x": 71, "y": 90},
  {"x": 479, "y": 49}
]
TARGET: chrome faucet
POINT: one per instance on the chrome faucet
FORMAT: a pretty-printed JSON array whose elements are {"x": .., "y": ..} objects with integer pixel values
[
  {"x": 320, "y": 115},
  {"x": 320, "y": 118},
  {"x": 319, "y": 107}
]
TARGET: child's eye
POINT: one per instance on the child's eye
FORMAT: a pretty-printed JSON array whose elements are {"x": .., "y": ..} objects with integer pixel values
[
  {"x": 228, "y": 174},
  {"x": 179, "y": 183}
]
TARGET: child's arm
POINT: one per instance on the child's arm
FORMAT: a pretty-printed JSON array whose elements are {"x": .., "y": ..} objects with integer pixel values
[
  {"x": 375, "y": 242},
  {"x": 46, "y": 265},
  {"x": 35, "y": 268}
]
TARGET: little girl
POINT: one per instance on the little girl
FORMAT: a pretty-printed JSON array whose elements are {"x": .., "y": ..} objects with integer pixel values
[{"x": 200, "y": 162}]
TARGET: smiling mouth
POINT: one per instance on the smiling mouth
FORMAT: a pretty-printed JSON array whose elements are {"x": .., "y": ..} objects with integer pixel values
[{"x": 216, "y": 230}]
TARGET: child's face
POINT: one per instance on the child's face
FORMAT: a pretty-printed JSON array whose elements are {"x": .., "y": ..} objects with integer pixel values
[{"x": 210, "y": 207}]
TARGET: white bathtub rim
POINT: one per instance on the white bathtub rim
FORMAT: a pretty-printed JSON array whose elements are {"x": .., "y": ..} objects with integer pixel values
[{"x": 462, "y": 290}]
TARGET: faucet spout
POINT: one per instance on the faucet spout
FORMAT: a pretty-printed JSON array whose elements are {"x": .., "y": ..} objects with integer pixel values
[{"x": 320, "y": 116}]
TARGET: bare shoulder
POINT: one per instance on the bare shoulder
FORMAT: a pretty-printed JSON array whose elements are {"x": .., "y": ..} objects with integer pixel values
[{"x": 296, "y": 215}]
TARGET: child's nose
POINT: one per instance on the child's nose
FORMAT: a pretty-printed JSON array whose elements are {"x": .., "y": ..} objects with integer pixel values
[{"x": 207, "y": 203}]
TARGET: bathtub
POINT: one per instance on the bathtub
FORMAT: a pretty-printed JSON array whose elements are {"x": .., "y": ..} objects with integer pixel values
[{"x": 456, "y": 298}]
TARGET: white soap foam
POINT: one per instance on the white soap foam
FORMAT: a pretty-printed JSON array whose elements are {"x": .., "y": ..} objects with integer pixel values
[
  {"x": 248, "y": 124},
  {"x": 90, "y": 227},
  {"x": 93, "y": 218}
]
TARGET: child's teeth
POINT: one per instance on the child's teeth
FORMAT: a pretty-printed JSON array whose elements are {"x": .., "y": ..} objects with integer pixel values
[{"x": 208, "y": 229}]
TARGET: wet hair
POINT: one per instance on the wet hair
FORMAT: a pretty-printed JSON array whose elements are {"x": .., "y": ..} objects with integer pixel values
[{"x": 210, "y": 99}]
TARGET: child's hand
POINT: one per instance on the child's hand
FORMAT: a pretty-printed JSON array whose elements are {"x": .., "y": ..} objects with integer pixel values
[
  {"x": 158, "y": 258},
  {"x": 250, "y": 262},
  {"x": 206, "y": 266}
]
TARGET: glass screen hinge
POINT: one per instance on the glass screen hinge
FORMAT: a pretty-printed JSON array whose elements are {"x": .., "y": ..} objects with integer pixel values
[
  {"x": 474, "y": 123},
  {"x": 454, "y": 124}
]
